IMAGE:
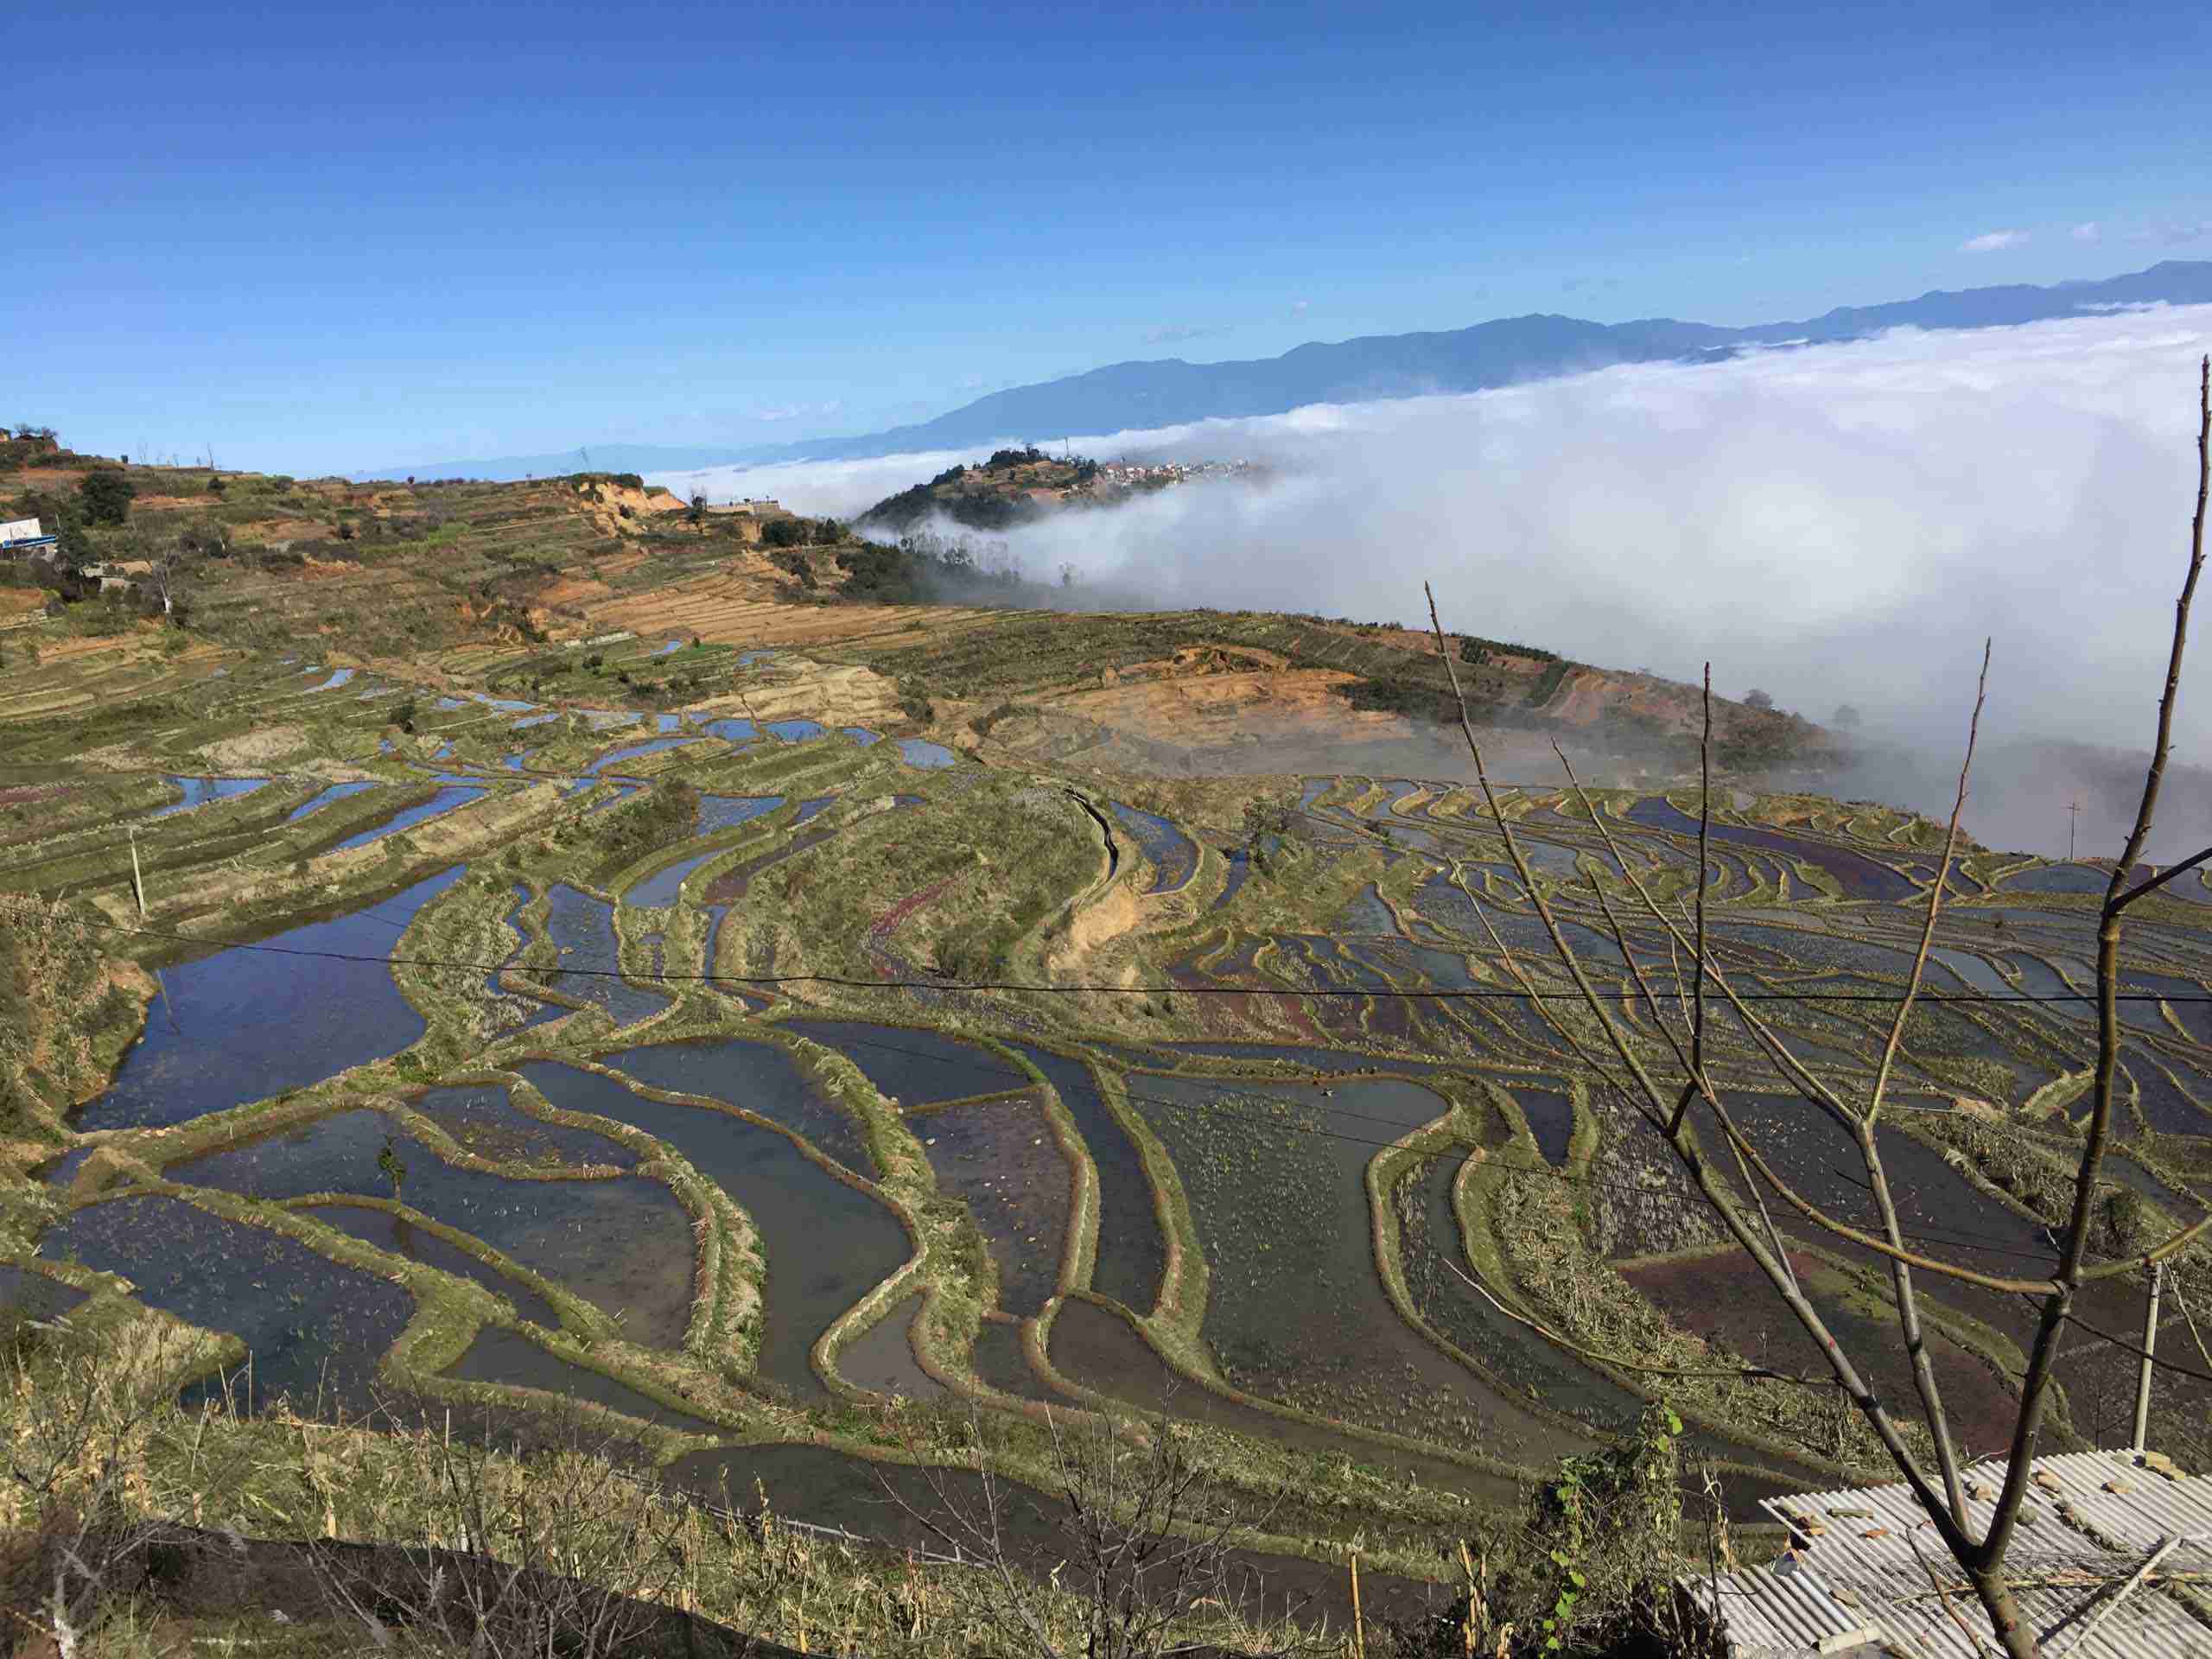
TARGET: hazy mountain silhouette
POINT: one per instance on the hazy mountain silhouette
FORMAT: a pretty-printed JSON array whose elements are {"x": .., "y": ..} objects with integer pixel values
[{"x": 1169, "y": 392}]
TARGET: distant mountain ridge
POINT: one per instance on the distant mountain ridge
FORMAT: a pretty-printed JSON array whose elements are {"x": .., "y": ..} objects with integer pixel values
[{"x": 1169, "y": 392}]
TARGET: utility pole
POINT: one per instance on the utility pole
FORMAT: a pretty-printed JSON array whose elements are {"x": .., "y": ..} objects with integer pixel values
[
  {"x": 2150, "y": 1341},
  {"x": 2073, "y": 821},
  {"x": 139, "y": 888}
]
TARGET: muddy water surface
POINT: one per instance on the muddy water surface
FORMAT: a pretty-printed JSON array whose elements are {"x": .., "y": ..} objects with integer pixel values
[
  {"x": 242, "y": 1024},
  {"x": 506, "y": 1357},
  {"x": 913, "y": 1066},
  {"x": 1295, "y": 1310},
  {"x": 622, "y": 1243},
  {"x": 1132, "y": 1254},
  {"x": 314, "y": 1328},
  {"x": 828, "y": 1243},
  {"x": 1000, "y": 1159},
  {"x": 761, "y": 1077},
  {"x": 397, "y": 1236}
]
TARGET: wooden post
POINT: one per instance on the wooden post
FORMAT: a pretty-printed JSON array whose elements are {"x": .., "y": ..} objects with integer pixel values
[
  {"x": 1358, "y": 1626},
  {"x": 1475, "y": 1613},
  {"x": 2150, "y": 1341},
  {"x": 138, "y": 881}
]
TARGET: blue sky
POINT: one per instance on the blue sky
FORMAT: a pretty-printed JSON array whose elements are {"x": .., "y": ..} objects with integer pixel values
[{"x": 323, "y": 241}]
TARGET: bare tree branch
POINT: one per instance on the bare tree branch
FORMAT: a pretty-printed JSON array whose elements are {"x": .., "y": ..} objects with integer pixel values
[{"x": 2034, "y": 1386}]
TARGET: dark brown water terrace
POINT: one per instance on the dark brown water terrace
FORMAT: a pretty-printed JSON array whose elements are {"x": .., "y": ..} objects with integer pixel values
[
  {"x": 1096, "y": 1348},
  {"x": 1941, "y": 1215},
  {"x": 999, "y": 1358},
  {"x": 882, "y": 1358},
  {"x": 1522, "y": 1361},
  {"x": 484, "y": 1119},
  {"x": 911, "y": 1066},
  {"x": 2165, "y": 1106},
  {"x": 446, "y": 800},
  {"x": 239, "y": 1024},
  {"x": 1858, "y": 875},
  {"x": 1240, "y": 869},
  {"x": 1000, "y": 1159},
  {"x": 1174, "y": 857},
  {"x": 1726, "y": 1299},
  {"x": 1132, "y": 1256},
  {"x": 36, "y": 1296},
  {"x": 730, "y": 886},
  {"x": 761, "y": 1077},
  {"x": 1939, "y": 1210},
  {"x": 1551, "y": 1120},
  {"x": 1366, "y": 913},
  {"x": 316, "y": 1329},
  {"x": 582, "y": 928},
  {"x": 397, "y": 1236},
  {"x": 2188, "y": 998},
  {"x": 508, "y": 1357},
  {"x": 878, "y": 1502},
  {"x": 1295, "y": 1310},
  {"x": 827, "y": 1244},
  {"x": 623, "y": 1244}
]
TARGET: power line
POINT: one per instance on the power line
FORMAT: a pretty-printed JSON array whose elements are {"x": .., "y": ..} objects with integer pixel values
[
  {"x": 1963, "y": 1240},
  {"x": 1985, "y": 1242},
  {"x": 1971, "y": 999}
]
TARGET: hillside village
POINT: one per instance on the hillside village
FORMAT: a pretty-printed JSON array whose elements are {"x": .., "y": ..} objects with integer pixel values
[{"x": 1014, "y": 484}]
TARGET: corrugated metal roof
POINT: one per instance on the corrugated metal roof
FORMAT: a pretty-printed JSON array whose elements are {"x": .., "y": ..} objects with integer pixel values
[{"x": 1873, "y": 1569}]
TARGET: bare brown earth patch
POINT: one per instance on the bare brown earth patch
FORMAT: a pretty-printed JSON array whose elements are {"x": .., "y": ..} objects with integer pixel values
[{"x": 262, "y": 747}]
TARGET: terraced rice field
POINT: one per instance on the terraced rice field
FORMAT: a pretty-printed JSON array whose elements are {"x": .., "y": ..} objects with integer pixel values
[{"x": 738, "y": 1073}]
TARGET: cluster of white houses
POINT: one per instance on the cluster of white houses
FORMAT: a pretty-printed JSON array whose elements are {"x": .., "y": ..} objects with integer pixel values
[{"x": 24, "y": 541}]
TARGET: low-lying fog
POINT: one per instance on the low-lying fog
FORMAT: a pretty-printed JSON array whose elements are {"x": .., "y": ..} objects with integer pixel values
[{"x": 1837, "y": 524}]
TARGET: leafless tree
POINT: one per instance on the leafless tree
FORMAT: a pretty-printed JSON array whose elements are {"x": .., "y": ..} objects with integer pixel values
[
  {"x": 78, "y": 1407},
  {"x": 565, "y": 1552},
  {"x": 1661, "y": 1085},
  {"x": 1138, "y": 1545}
]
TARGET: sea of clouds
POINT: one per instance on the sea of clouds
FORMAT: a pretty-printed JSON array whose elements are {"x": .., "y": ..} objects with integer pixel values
[{"x": 1837, "y": 524}]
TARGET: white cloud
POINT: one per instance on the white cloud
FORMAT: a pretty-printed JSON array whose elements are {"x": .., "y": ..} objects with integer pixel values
[
  {"x": 2178, "y": 233},
  {"x": 838, "y": 488},
  {"x": 1167, "y": 334},
  {"x": 1994, "y": 241},
  {"x": 1836, "y": 524},
  {"x": 2091, "y": 231},
  {"x": 779, "y": 412}
]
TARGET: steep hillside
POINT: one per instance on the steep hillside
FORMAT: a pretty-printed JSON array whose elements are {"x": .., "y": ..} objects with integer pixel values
[
  {"x": 1012, "y": 486},
  {"x": 502, "y": 585}
]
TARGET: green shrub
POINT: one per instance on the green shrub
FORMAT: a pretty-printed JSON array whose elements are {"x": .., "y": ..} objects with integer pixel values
[
  {"x": 107, "y": 495},
  {"x": 1549, "y": 683}
]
